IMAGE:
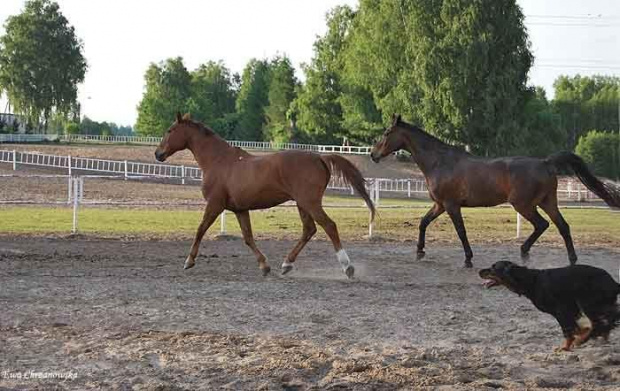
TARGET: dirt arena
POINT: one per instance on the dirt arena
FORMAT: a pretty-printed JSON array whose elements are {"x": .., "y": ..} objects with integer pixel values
[{"x": 124, "y": 315}]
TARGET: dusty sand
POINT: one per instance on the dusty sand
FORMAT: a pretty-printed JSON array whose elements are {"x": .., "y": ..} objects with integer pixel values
[{"x": 125, "y": 315}]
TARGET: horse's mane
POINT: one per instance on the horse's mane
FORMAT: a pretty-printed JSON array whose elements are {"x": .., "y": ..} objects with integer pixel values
[
  {"x": 207, "y": 131},
  {"x": 430, "y": 139}
]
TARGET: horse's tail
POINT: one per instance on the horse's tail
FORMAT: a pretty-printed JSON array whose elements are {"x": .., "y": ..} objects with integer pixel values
[
  {"x": 606, "y": 191},
  {"x": 341, "y": 166}
]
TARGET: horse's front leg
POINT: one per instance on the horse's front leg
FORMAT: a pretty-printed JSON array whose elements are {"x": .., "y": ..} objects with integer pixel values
[
  {"x": 212, "y": 210},
  {"x": 459, "y": 225},
  {"x": 435, "y": 211}
]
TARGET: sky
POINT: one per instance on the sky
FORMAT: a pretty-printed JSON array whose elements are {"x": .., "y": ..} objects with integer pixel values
[{"x": 122, "y": 37}]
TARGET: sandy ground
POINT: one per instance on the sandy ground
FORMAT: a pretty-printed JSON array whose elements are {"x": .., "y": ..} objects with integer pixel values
[{"x": 124, "y": 315}]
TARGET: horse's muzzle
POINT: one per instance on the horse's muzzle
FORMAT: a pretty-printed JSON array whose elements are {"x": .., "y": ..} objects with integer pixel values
[
  {"x": 160, "y": 156},
  {"x": 374, "y": 157}
]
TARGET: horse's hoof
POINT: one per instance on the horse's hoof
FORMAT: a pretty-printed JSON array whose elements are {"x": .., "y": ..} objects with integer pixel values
[
  {"x": 525, "y": 256},
  {"x": 420, "y": 255},
  {"x": 286, "y": 269},
  {"x": 266, "y": 271},
  {"x": 349, "y": 271},
  {"x": 189, "y": 264},
  {"x": 468, "y": 264},
  {"x": 572, "y": 259}
]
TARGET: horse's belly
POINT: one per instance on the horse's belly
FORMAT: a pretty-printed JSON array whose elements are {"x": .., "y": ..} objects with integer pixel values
[
  {"x": 485, "y": 197},
  {"x": 259, "y": 200}
]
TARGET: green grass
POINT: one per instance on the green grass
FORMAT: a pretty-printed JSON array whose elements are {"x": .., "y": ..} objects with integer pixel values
[{"x": 484, "y": 225}]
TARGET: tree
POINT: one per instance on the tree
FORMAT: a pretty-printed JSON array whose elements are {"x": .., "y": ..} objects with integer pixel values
[
  {"x": 41, "y": 62},
  {"x": 72, "y": 128},
  {"x": 282, "y": 86},
  {"x": 540, "y": 133},
  {"x": 456, "y": 66},
  {"x": 213, "y": 93},
  {"x": 600, "y": 151},
  {"x": 332, "y": 105},
  {"x": 168, "y": 90},
  {"x": 252, "y": 99},
  {"x": 90, "y": 127},
  {"x": 584, "y": 103}
]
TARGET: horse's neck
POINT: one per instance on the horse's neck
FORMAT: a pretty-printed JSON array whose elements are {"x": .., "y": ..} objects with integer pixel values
[
  {"x": 426, "y": 150},
  {"x": 208, "y": 150}
]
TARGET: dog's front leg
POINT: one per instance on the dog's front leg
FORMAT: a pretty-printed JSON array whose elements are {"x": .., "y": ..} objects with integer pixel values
[
  {"x": 566, "y": 319},
  {"x": 566, "y": 346}
]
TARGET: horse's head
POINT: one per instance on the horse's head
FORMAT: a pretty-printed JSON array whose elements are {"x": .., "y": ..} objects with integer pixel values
[
  {"x": 175, "y": 139},
  {"x": 390, "y": 141}
]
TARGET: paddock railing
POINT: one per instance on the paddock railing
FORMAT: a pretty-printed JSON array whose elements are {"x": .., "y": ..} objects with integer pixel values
[
  {"x": 568, "y": 189},
  {"x": 255, "y": 145}
]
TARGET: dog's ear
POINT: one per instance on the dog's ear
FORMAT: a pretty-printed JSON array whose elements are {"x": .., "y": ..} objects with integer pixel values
[{"x": 508, "y": 276}]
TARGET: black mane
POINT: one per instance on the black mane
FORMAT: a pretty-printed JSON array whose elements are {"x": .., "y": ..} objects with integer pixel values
[{"x": 429, "y": 140}]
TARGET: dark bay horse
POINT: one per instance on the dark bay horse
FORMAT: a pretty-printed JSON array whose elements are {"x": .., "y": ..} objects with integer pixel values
[
  {"x": 239, "y": 182},
  {"x": 458, "y": 179}
]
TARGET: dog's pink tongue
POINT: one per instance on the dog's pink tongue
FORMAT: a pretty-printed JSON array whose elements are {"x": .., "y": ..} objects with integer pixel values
[{"x": 488, "y": 283}]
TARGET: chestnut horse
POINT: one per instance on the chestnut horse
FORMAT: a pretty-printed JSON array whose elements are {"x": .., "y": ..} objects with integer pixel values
[
  {"x": 239, "y": 182},
  {"x": 457, "y": 179}
]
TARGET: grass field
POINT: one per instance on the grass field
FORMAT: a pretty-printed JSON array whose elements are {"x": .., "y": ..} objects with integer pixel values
[{"x": 590, "y": 227}]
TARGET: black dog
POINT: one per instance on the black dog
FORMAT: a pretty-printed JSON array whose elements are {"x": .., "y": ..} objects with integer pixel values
[{"x": 582, "y": 298}]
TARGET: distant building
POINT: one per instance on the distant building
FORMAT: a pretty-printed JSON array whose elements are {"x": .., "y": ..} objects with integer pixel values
[{"x": 9, "y": 121}]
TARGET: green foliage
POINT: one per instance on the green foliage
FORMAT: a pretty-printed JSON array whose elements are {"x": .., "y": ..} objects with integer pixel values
[
  {"x": 213, "y": 92},
  {"x": 168, "y": 90},
  {"x": 252, "y": 99},
  {"x": 540, "y": 133},
  {"x": 41, "y": 62},
  {"x": 72, "y": 128},
  {"x": 332, "y": 105},
  {"x": 282, "y": 85},
  {"x": 458, "y": 67},
  {"x": 601, "y": 150},
  {"x": 585, "y": 103}
]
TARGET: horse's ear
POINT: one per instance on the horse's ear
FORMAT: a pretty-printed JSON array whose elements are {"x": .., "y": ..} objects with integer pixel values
[
  {"x": 396, "y": 118},
  {"x": 187, "y": 117},
  {"x": 179, "y": 117}
]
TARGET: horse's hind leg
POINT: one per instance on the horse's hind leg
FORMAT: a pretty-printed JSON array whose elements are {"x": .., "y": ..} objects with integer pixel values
[
  {"x": 318, "y": 214},
  {"x": 457, "y": 219},
  {"x": 435, "y": 211},
  {"x": 540, "y": 225},
  {"x": 246, "y": 229},
  {"x": 309, "y": 229},
  {"x": 550, "y": 206},
  {"x": 211, "y": 212}
]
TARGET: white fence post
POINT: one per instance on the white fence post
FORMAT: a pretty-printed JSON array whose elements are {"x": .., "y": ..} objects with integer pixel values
[
  {"x": 182, "y": 175},
  {"x": 14, "y": 160},
  {"x": 69, "y": 164},
  {"x": 126, "y": 175},
  {"x": 223, "y": 223},
  {"x": 518, "y": 225},
  {"x": 69, "y": 190},
  {"x": 370, "y": 226},
  {"x": 76, "y": 182}
]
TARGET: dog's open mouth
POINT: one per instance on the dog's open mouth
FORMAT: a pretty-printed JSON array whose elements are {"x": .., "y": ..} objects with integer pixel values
[
  {"x": 490, "y": 280},
  {"x": 490, "y": 283}
]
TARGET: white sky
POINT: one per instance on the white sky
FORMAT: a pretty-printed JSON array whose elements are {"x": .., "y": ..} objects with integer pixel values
[{"x": 121, "y": 39}]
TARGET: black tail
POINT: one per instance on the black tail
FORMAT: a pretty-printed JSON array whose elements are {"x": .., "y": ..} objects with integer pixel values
[
  {"x": 352, "y": 175},
  {"x": 604, "y": 190}
]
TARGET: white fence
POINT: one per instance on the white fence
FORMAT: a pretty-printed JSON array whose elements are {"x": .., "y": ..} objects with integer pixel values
[
  {"x": 185, "y": 174},
  {"x": 260, "y": 145},
  {"x": 568, "y": 190}
]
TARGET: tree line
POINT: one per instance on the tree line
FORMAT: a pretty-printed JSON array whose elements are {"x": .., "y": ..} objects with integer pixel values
[{"x": 458, "y": 68}]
